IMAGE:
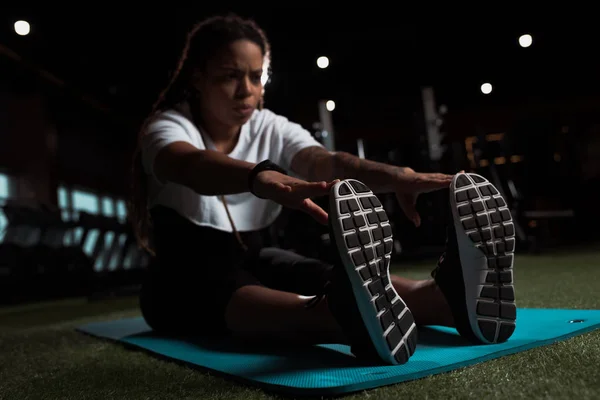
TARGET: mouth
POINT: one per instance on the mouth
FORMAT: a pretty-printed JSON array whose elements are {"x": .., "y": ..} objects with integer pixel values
[{"x": 244, "y": 109}]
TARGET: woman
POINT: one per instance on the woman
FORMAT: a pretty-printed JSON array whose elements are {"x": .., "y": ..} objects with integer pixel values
[{"x": 213, "y": 171}]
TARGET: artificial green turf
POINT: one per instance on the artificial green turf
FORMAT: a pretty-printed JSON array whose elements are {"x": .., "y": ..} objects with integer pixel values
[{"x": 42, "y": 357}]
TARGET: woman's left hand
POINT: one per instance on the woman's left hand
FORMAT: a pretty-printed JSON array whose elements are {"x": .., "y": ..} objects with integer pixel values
[{"x": 410, "y": 184}]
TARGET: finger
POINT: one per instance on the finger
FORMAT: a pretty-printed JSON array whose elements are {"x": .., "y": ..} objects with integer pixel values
[
  {"x": 333, "y": 182},
  {"x": 311, "y": 189},
  {"x": 301, "y": 183},
  {"x": 408, "y": 205},
  {"x": 438, "y": 176},
  {"x": 312, "y": 185},
  {"x": 284, "y": 188},
  {"x": 312, "y": 209},
  {"x": 428, "y": 184}
]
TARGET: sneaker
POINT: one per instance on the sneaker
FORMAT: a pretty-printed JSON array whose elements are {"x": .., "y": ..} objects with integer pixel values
[
  {"x": 475, "y": 273},
  {"x": 378, "y": 323}
]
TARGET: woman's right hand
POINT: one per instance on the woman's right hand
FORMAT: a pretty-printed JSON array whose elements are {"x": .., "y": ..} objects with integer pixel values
[{"x": 292, "y": 192}]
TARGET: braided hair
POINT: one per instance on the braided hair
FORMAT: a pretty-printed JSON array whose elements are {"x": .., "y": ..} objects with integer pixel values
[{"x": 203, "y": 42}]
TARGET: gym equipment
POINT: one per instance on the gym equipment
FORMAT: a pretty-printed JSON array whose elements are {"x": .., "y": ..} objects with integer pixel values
[{"x": 531, "y": 168}]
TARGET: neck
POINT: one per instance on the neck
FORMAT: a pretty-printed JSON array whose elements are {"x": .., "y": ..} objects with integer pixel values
[{"x": 222, "y": 135}]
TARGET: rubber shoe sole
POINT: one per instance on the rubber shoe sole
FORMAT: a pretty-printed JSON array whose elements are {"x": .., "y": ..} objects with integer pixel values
[
  {"x": 363, "y": 236},
  {"x": 485, "y": 236}
]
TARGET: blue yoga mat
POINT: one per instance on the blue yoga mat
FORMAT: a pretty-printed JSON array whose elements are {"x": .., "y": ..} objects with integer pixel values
[{"x": 331, "y": 369}]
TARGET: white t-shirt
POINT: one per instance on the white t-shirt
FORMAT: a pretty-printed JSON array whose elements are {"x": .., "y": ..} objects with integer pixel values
[{"x": 265, "y": 136}]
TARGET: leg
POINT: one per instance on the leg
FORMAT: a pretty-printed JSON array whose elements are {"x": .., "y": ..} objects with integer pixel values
[
  {"x": 270, "y": 300},
  {"x": 259, "y": 313},
  {"x": 202, "y": 286},
  {"x": 425, "y": 300},
  {"x": 239, "y": 304},
  {"x": 289, "y": 272}
]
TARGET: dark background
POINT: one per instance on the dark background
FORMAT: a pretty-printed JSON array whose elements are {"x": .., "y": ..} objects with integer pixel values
[{"x": 74, "y": 91}]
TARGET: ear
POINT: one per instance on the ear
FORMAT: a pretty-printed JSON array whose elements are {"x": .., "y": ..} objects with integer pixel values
[{"x": 261, "y": 101}]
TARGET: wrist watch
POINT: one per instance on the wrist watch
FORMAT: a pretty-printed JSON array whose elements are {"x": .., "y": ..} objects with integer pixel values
[{"x": 265, "y": 165}]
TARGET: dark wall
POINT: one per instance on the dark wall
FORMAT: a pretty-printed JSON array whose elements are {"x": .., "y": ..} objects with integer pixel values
[{"x": 48, "y": 136}]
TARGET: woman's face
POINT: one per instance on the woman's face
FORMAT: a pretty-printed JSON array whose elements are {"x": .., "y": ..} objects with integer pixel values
[{"x": 230, "y": 87}]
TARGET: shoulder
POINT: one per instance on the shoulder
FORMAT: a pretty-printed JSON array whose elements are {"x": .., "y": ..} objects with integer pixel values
[
  {"x": 267, "y": 120},
  {"x": 265, "y": 117},
  {"x": 168, "y": 120}
]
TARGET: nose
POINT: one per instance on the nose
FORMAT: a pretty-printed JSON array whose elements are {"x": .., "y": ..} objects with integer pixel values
[{"x": 244, "y": 87}]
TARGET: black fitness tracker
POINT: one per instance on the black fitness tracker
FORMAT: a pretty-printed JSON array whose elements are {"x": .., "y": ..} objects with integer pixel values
[{"x": 265, "y": 165}]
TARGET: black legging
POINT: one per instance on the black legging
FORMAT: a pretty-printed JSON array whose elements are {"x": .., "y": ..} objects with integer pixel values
[{"x": 197, "y": 269}]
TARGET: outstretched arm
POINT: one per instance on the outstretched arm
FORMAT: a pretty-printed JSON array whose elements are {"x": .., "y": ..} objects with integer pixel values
[
  {"x": 316, "y": 164},
  {"x": 212, "y": 173}
]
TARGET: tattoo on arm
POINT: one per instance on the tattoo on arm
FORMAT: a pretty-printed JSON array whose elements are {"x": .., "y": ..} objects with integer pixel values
[
  {"x": 318, "y": 164},
  {"x": 314, "y": 164},
  {"x": 378, "y": 176}
]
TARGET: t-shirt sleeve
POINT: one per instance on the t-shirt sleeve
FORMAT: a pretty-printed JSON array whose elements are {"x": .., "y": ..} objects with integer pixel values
[
  {"x": 293, "y": 138},
  {"x": 159, "y": 134}
]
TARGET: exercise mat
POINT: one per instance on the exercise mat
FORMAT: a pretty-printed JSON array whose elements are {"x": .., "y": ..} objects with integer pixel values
[{"x": 330, "y": 369}]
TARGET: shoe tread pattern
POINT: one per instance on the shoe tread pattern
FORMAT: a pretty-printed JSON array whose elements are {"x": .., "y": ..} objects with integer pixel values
[
  {"x": 368, "y": 242},
  {"x": 487, "y": 221}
]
